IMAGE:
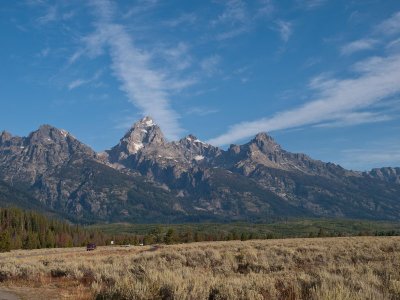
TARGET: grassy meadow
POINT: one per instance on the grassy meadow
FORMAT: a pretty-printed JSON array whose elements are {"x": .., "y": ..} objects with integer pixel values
[{"x": 302, "y": 268}]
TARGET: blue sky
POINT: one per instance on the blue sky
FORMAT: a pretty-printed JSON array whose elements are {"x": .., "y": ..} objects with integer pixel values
[{"x": 321, "y": 76}]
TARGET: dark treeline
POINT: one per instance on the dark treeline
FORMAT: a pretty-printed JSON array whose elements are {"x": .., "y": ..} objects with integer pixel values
[
  {"x": 21, "y": 229},
  {"x": 172, "y": 236},
  {"x": 169, "y": 235},
  {"x": 30, "y": 230}
]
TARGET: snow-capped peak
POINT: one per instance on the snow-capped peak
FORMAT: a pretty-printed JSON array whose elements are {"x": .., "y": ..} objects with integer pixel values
[
  {"x": 147, "y": 122},
  {"x": 192, "y": 139},
  {"x": 64, "y": 133}
]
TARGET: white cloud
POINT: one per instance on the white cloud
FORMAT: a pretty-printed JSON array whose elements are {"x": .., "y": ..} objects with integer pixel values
[
  {"x": 44, "y": 52},
  {"x": 231, "y": 33},
  {"x": 356, "y": 118},
  {"x": 141, "y": 7},
  {"x": 146, "y": 87},
  {"x": 285, "y": 29},
  {"x": 390, "y": 26},
  {"x": 53, "y": 14},
  {"x": 76, "y": 83},
  {"x": 50, "y": 16},
  {"x": 311, "y": 4},
  {"x": 234, "y": 20},
  {"x": 210, "y": 64},
  {"x": 79, "y": 82},
  {"x": 359, "y": 45},
  {"x": 334, "y": 98},
  {"x": 266, "y": 8},
  {"x": 235, "y": 11},
  {"x": 68, "y": 15},
  {"x": 387, "y": 154},
  {"x": 201, "y": 111},
  {"x": 393, "y": 45},
  {"x": 177, "y": 57},
  {"x": 312, "y": 61},
  {"x": 182, "y": 19},
  {"x": 74, "y": 57}
]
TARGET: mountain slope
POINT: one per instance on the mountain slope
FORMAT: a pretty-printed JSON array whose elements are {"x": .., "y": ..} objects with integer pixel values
[
  {"x": 312, "y": 187},
  {"x": 145, "y": 178}
]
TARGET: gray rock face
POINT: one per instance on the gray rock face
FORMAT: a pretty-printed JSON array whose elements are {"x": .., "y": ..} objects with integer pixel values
[
  {"x": 196, "y": 151},
  {"x": 144, "y": 149},
  {"x": 146, "y": 141},
  {"x": 42, "y": 152},
  {"x": 296, "y": 179},
  {"x": 263, "y": 151},
  {"x": 147, "y": 178},
  {"x": 386, "y": 174}
]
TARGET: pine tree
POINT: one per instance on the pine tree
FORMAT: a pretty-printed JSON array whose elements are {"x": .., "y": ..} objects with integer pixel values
[
  {"x": 5, "y": 241},
  {"x": 170, "y": 236}
]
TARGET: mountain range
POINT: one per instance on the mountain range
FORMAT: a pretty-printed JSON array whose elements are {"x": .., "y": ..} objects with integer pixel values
[{"x": 145, "y": 178}]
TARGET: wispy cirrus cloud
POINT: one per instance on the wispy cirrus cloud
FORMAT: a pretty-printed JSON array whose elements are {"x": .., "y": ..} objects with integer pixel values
[
  {"x": 373, "y": 156},
  {"x": 335, "y": 98},
  {"x": 76, "y": 83},
  {"x": 177, "y": 56},
  {"x": 50, "y": 16},
  {"x": 356, "y": 118},
  {"x": 201, "y": 111},
  {"x": 233, "y": 20},
  {"x": 266, "y": 8},
  {"x": 336, "y": 101},
  {"x": 53, "y": 13},
  {"x": 285, "y": 29},
  {"x": 147, "y": 87},
  {"x": 44, "y": 52},
  {"x": 311, "y": 4},
  {"x": 186, "y": 18},
  {"x": 141, "y": 7},
  {"x": 235, "y": 11},
  {"x": 390, "y": 26},
  {"x": 80, "y": 81},
  {"x": 358, "y": 45},
  {"x": 209, "y": 65}
]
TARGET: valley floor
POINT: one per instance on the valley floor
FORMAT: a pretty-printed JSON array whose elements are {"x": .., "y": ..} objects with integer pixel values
[{"x": 317, "y": 268}]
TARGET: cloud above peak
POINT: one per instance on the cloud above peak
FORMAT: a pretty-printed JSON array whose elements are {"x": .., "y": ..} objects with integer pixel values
[
  {"x": 311, "y": 4},
  {"x": 390, "y": 26},
  {"x": 335, "y": 99},
  {"x": 148, "y": 88},
  {"x": 358, "y": 45},
  {"x": 285, "y": 29}
]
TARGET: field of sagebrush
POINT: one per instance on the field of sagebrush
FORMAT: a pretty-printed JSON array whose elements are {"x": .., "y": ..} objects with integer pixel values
[{"x": 318, "y": 268}]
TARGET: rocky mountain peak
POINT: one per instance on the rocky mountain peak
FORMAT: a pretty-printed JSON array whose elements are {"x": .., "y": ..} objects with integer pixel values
[
  {"x": 192, "y": 140},
  {"x": 388, "y": 174},
  {"x": 5, "y": 136},
  {"x": 191, "y": 137},
  {"x": 265, "y": 143},
  {"x": 147, "y": 178},
  {"x": 146, "y": 121},
  {"x": 142, "y": 134},
  {"x": 48, "y": 133},
  {"x": 195, "y": 149}
]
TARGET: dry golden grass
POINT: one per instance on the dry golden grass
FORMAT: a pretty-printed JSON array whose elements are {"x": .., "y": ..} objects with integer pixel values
[{"x": 323, "y": 268}]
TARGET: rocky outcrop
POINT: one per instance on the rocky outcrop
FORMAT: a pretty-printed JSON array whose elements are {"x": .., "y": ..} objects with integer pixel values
[{"x": 386, "y": 174}]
